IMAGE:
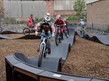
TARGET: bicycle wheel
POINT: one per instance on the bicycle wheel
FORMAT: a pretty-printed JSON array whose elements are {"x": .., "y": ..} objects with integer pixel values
[
  {"x": 1, "y": 29},
  {"x": 45, "y": 54},
  {"x": 57, "y": 39},
  {"x": 66, "y": 33},
  {"x": 26, "y": 31},
  {"x": 41, "y": 56}
]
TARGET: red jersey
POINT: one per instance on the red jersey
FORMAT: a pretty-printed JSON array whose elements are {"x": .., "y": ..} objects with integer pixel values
[
  {"x": 29, "y": 22},
  {"x": 59, "y": 22}
]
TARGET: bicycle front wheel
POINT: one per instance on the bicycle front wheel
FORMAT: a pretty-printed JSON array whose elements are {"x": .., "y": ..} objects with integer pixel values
[
  {"x": 66, "y": 33},
  {"x": 26, "y": 31},
  {"x": 57, "y": 39},
  {"x": 41, "y": 56}
]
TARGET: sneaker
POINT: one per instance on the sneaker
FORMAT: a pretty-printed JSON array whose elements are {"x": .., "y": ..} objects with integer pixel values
[
  {"x": 49, "y": 50},
  {"x": 67, "y": 35},
  {"x": 38, "y": 50}
]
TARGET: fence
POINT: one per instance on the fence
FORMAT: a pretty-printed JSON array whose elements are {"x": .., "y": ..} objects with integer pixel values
[{"x": 24, "y": 8}]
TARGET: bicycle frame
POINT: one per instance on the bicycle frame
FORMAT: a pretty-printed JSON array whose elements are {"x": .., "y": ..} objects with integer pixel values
[
  {"x": 58, "y": 36},
  {"x": 43, "y": 51},
  {"x": 43, "y": 44}
]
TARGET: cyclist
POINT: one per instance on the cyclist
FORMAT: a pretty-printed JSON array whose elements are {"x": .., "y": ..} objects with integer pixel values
[
  {"x": 82, "y": 24},
  {"x": 30, "y": 21},
  {"x": 66, "y": 25},
  {"x": 59, "y": 22},
  {"x": 46, "y": 29}
]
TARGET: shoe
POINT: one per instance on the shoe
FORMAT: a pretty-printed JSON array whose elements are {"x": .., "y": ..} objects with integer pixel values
[
  {"x": 67, "y": 35},
  {"x": 38, "y": 50},
  {"x": 49, "y": 50}
]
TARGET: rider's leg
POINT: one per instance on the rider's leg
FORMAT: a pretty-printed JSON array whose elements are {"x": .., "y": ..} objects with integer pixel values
[
  {"x": 39, "y": 44},
  {"x": 67, "y": 29},
  {"x": 49, "y": 46},
  {"x": 61, "y": 31}
]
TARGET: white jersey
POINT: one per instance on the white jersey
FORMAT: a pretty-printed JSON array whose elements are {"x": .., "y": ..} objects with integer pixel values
[{"x": 82, "y": 23}]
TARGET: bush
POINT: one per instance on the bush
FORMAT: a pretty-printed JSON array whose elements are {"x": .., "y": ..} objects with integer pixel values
[
  {"x": 9, "y": 21},
  {"x": 38, "y": 19},
  {"x": 72, "y": 17}
]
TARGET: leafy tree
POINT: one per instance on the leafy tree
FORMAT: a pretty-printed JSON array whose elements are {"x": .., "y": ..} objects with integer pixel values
[{"x": 79, "y": 7}]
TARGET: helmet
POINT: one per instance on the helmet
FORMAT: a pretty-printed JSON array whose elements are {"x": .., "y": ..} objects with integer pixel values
[
  {"x": 48, "y": 14},
  {"x": 47, "y": 18},
  {"x": 81, "y": 19},
  {"x": 31, "y": 15},
  {"x": 58, "y": 16}
]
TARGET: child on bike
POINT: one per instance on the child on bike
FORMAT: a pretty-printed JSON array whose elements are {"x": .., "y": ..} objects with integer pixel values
[
  {"x": 46, "y": 29},
  {"x": 60, "y": 23},
  {"x": 30, "y": 21}
]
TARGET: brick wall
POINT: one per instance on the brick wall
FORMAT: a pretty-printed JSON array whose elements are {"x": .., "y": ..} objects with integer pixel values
[
  {"x": 98, "y": 12},
  {"x": 50, "y": 9}
]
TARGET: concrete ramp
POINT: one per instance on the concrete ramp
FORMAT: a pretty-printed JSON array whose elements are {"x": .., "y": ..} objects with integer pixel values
[
  {"x": 104, "y": 39},
  {"x": 5, "y": 37},
  {"x": 60, "y": 51},
  {"x": 16, "y": 70},
  {"x": 10, "y": 32},
  {"x": 50, "y": 64}
]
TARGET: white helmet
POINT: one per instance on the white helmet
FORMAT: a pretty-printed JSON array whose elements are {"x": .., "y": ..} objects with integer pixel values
[
  {"x": 48, "y": 14},
  {"x": 47, "y": 18}
]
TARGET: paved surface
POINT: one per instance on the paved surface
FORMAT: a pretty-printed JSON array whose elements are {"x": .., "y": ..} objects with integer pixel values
[{"x": 104, "y": 39}]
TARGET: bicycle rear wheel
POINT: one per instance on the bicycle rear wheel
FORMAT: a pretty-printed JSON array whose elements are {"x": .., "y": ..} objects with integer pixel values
[
  {"x": 41, "y": 56},
  {"x": 26, "y": 31}
]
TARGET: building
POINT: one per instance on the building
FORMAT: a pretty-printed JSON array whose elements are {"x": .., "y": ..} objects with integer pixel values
[
  {"x": 98, "y": 12},
  {"x": 62, "y": 7},
  {"x": 23, "y": 8}
]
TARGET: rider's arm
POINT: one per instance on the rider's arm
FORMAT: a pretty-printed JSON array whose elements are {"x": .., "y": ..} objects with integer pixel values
[
  {"x": 53, "y": 29},
  {"x": 36, "y": 28}
]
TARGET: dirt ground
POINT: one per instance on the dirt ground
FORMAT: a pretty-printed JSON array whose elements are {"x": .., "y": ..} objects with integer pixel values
[{"x": 86, "y": 58}]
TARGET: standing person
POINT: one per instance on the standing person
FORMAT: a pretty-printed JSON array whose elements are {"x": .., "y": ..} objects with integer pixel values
[
  {"x": 46, "y": 29},
  {"x": 30, "y": 21},
  {"x": 59, "y": 22}
]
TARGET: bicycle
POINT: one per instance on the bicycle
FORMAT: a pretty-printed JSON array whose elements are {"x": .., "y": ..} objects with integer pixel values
[
  {"x": 27, "y": 31},
  {"x": 43, "y": 49},
  {"x": 58, "y": 36}
]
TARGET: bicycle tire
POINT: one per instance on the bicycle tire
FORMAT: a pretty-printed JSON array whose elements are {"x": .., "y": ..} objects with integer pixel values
[
  {"x": 1, "y": 29},
  {"x": 66, "y": 33},
  {"x": 45, "y": 54},
  {"x": 40, "y": 56},
  {"x": 57, "y": 39},
  {"x": 26, "y": 31}
]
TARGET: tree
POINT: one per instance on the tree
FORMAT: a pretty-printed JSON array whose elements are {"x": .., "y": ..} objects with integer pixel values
[{"x": 79, "y": 7}]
